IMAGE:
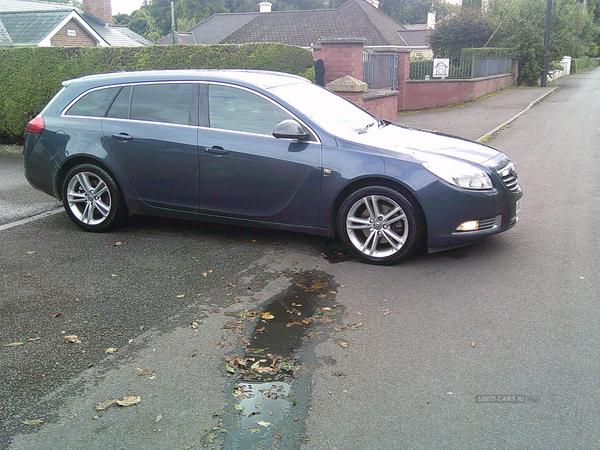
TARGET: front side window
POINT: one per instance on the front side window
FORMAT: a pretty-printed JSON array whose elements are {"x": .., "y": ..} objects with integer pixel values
[
  {"x": 167, "y": 103},
  {"x": 93, "y": 104},
  {"x": 239, "y": 110}
]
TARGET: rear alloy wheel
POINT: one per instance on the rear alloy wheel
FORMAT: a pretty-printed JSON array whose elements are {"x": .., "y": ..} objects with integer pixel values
[
  {"x": 379, "y": 225},
  {"x": 91, "y": 198}
]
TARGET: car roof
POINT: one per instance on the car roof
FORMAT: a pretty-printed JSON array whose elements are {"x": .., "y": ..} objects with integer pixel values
[{"x": 258, "y": 78}]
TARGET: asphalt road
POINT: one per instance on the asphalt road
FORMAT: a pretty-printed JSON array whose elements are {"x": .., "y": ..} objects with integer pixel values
[
  {"x": 17, "y": 199},
  {"x": 490, "y": 346}
]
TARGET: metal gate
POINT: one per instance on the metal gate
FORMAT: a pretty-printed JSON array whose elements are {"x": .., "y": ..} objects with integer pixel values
[{"x": 380, "y": 70}]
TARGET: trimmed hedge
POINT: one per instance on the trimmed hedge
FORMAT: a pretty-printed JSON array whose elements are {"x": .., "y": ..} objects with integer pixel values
[
  {"x": 583, "y": 63},
  {"x": 30, "y": 76}
]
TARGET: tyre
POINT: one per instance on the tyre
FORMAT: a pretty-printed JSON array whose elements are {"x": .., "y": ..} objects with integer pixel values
[
  {"x": 92, "y": 199},
  {"x": 379, "y": 225}
]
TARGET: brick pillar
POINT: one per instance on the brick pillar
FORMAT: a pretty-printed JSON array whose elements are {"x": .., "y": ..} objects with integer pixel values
[
  {"x": 99, "y": 8},
  {"x": 343, "y": 56},
  {"x": 403, "y": 75}
]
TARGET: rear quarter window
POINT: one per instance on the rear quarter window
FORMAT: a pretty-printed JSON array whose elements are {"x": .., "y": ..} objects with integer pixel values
[{"x": 93, "y": 104}]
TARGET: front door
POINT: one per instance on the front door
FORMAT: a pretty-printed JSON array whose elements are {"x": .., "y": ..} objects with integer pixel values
[{"x": 245, "y": 171}]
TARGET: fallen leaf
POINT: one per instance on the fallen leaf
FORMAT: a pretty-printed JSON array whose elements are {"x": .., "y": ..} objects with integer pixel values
[
  {"x": 343, "y": 343},
  {"x": 262, "y": 423},
  {"x": 181, "y": 296},
  {"x": 144, "y": 371},
  {"x": 105, "y": 404},
  {"x": 72, "y": 338},
  {"x": 158, "y": 418},
  {"x": 34, "y": 339},
  {"x": 14, "y": 344},
  {"x": 129, "y": 400},
  {"x": 261, "y": 330},
  {"x": 238, "y": 407},
  {"x": 33, "y": 422},
  {"x": 267, "y": 316},
  {"x": 473, "y": 344},
  {"x": 110, "y": 350},
  {"x": 56, "y": 315},
  {"x": 194, "y": 325},
  {"x": 117, "y": 244}
]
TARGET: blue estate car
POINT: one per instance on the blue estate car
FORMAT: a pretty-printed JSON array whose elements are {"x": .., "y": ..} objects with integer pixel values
[{"x": 263, "y": 149}]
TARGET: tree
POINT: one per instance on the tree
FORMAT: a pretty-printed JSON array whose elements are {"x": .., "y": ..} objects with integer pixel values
[
  {"x": 75, "y": 3},
  {"x": 469, "y": 29},
  {"x": 415, "y": 11},
  {"x": 520, "y": 26}
]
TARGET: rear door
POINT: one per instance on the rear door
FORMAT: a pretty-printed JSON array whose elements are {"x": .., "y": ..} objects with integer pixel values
[
  {"x": 245, "y": 171},
  {"x": 151, "y": 131}
]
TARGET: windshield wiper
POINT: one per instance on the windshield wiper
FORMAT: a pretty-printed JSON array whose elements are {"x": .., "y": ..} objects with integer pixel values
[{"x": 364, "y": 129}]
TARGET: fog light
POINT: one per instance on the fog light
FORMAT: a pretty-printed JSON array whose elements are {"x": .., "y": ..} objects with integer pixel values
[{"x": 472, "y": 225}]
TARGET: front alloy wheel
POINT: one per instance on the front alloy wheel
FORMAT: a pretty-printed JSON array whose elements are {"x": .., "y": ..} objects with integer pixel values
[
  {"x": 379, "y": 225},
  {"x": 91, "y": 198}
]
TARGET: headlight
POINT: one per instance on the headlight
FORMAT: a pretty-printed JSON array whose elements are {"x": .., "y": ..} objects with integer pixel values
[{"x": 460, "y": 174}]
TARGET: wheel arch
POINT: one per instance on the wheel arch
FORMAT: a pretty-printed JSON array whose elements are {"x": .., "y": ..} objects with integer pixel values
[
  {"x": 76, "y": 161},
  {"x": 377, "y": 181}
]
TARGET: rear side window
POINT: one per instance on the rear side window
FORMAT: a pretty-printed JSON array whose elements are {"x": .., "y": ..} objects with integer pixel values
[
  {"x": 120, "y": 107},
  {"x": 93, "y": 104},
  {"x": 167, "y": 103}
]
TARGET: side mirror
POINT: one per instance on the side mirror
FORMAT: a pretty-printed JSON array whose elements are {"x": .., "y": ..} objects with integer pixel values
[{"x": 290, "y": 129}]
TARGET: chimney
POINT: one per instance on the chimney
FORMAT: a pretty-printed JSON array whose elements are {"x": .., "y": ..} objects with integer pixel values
[
  {"x": 431, "y": 18},
  {"x": 99, "y": 8},
  {"x": 265, "y": 7}
]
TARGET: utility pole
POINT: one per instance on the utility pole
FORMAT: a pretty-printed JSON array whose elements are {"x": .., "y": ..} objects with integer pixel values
[
  {"x": 173, "y": 23},
  {"x": 546, "y": 43}
]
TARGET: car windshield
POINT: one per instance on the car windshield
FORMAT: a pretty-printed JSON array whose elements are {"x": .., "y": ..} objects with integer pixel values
[{"x": 327, "y": 109}]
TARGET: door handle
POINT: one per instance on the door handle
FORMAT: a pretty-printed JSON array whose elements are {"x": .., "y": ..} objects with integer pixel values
[
  {"x": 216, "y": 151},
  {"x": 122, "y": 137}
]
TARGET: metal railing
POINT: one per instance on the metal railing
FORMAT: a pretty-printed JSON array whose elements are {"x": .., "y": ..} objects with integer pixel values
[
  {"x": 380, "y": 70},
  {"x": 471, "y": 67}
]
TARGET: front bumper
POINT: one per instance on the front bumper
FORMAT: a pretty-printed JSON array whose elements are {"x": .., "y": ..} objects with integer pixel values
[{"x": 447, "y": 207}]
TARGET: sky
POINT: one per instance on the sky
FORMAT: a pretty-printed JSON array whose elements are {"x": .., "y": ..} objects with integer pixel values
[{"x": 125, "y": 6}]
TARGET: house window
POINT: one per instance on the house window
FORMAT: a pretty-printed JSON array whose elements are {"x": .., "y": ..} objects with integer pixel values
[{"x": 72, "y": 33}]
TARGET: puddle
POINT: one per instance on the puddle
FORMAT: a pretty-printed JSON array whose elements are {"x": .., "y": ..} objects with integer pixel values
[
  {"x": 334, "y": 251},
  {"x": 264, "y": 409}
]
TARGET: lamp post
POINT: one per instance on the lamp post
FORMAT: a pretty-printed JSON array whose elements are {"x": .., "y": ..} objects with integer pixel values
[{"x": 546, "y": 43}]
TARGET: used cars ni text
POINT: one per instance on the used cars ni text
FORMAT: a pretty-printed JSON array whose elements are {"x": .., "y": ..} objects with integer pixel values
[{"x": 263, "y": 149}]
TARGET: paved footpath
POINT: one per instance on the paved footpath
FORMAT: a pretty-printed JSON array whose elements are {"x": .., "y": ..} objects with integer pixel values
[{"x": 475, "y": 120}]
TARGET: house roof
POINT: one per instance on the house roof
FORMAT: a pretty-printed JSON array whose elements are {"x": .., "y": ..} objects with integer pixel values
[
  {"x": 354, "y": 19},
  {"x": 24, "y": 23},
  {"x": 415, "y": 35}
]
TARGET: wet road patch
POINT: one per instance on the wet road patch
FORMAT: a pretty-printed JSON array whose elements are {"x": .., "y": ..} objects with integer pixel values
[{"x": 266, "y": 411}]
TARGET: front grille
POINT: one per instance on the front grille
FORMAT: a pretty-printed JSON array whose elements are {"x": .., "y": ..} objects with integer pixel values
[{"x": 509, "y": 177}]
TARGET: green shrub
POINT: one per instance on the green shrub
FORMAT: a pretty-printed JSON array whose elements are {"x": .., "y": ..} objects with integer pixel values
[
  {"x": 30, "y": 76},
  {"x": 583, "y": 63},
  {"x": 487, "y": 52}
]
